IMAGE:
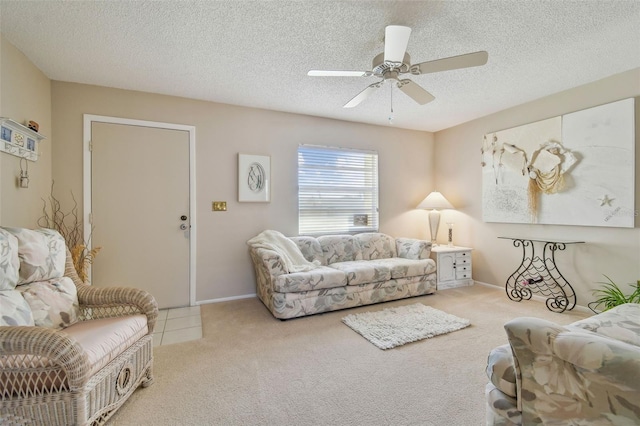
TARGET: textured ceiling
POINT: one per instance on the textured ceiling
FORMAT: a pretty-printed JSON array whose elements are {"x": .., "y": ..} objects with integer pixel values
[{"x": 257, "y": 53}]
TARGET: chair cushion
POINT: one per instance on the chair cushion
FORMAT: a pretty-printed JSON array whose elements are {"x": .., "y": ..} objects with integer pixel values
[
  {"x": 500, "y": 370},
  {"x": 102, "y": 340},
  {"x": 14, "y": 310},
  {"x": 374, "y": 245},
  {"x": 9, "y": 261},
  {"x": 106, "y": 338},
  {"x": 502, "y": 409},
  {"x": 53, "y": 303},
  {"x": 316, "y": 279},
  {"x": 363, "y": 271},
  {"x": 42, "y": 254}
]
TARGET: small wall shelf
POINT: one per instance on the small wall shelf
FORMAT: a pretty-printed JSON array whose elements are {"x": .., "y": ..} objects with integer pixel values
[
  {"x": 541, "y": 274},
  {"x": 19, "y": 140}
]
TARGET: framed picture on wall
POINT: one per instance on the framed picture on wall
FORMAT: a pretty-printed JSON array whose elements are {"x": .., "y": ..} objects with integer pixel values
[
  {"x": 254, "y": 178},
  {"x": 573, "y": 169},
  {"x": 5, "y": 134}
]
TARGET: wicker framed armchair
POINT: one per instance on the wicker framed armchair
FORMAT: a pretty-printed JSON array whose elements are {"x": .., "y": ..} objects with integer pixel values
[{"x": 81, "y": 369}]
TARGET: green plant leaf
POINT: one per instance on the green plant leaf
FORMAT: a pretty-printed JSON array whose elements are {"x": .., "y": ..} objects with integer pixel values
[{"x": 610, "y": 295}]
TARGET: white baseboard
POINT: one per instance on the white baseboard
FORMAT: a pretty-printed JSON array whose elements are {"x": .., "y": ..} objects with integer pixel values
[
  {"x": 536, "y": 297},
  {"x": 226, "y": 299},
  {"x": 488, "y": 285}
]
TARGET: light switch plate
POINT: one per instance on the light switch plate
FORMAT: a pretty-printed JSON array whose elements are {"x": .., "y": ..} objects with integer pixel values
[{"x": 219, "y": 206}]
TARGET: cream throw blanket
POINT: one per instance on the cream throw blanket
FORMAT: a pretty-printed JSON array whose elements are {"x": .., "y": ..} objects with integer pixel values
[{"x": 291, "y": 255}]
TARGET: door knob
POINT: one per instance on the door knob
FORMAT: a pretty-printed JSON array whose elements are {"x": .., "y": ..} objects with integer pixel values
[{"x": 183, "y": 226}]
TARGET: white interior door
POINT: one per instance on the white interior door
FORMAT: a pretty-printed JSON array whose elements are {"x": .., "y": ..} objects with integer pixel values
[{"x": 140, "y": 210}]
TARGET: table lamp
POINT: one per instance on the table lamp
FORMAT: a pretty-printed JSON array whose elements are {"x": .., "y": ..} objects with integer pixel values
[{"x": 434, "y": 202}]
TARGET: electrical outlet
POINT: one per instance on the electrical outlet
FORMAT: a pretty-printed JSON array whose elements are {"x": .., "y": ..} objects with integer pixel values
[{"x": 219, "y": 206}]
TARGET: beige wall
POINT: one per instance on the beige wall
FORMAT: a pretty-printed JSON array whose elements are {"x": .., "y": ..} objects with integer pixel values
[
  {"x": 611, "y": 251},
  {"x": 409, "y": 163},
  {"x": 223, "y": 131},
  {"x": 25, "y": 95}
]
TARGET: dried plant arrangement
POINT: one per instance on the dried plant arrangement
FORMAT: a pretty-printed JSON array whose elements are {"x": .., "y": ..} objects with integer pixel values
[{"x": 69, "y": 225}]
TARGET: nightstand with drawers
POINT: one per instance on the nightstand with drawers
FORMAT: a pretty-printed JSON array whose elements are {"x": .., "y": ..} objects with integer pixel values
[{"x": 453, "y": 266}]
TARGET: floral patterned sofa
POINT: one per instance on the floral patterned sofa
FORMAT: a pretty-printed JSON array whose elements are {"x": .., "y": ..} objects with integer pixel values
[
  {"x": 586, "y": 373},
  {"x": 70, "y": 353},
  {"x": 353, "y": 270}
]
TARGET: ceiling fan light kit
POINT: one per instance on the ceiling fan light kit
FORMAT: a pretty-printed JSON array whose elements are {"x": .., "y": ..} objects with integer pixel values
[{"x": 395, "y": 61}]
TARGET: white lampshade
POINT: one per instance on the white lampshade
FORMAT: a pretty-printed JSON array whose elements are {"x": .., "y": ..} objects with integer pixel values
[{"x": 435, "y": 200}]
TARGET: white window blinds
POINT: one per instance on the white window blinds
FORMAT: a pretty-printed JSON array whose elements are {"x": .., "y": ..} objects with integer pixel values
[{"x": 337, "y": 190}]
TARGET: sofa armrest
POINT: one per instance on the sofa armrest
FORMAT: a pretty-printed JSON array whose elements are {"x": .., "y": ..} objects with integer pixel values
[
  {"x": 46, "y": 350},
  {"x": 268, "y": 266},
  {"x": 104, "y": 302},
  {"x": 563, "y": 373},
  {"x": 410, "y": 248},
  {"x": 271, "y": 260}
]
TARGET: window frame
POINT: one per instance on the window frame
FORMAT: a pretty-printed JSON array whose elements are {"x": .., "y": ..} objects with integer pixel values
[{"x": 338, "y": 190}]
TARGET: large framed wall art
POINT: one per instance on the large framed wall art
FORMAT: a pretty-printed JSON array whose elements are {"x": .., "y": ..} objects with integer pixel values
[
  {"x": 574, "y": 169},
  {"x": 254, "y": 178}
]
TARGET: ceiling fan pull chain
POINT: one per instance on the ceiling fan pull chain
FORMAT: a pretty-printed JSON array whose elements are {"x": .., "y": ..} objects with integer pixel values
[
  {"x": 391, "y": 114},
  {"x": 391, "y": 85}
]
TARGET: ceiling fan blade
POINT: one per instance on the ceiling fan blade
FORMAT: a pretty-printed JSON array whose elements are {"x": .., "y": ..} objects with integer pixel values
[
  {"x": 362, "y": 95},
  {"x": 396, "y": 38},
  {"x": 462, "y": 61},
  {"x": 324, "y": 73},
  {"x": 415, "y": 92}
]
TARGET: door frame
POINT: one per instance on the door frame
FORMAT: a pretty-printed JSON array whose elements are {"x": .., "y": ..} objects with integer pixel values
[{"x": 88, "y": 120}]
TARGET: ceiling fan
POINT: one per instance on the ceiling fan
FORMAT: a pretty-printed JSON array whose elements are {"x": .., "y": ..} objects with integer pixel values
[{"x": 391, "y": 64}]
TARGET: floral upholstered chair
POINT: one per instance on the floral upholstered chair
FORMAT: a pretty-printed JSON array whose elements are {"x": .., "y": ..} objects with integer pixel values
[
  {"x": 586, "y": 373},
  {"x": 70, "y": 353}
]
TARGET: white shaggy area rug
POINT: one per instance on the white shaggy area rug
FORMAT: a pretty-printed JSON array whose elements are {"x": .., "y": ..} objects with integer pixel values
[{"x": 396, "y": 326}]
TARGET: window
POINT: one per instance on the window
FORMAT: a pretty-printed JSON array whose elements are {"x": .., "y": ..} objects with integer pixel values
[{"x": 337, "y": 190}]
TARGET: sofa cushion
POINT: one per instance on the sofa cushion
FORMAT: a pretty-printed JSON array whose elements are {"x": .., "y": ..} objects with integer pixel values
[
  {"x": 14, "y": 310},
  {"x": 363, "y": 271},
  {"x": 54, "y": 303},
  {"x": 339, "y": 248},
  {"x": 9, "y": 261},
  {"x": 374, "y": 245},
  {"x": 316, "y": 279},
  {"x": 310, "y": 248},
  {"x": 106, "y": 338},
  {"x": 620, "y": 323},
  {"x": 404, "y": 268},
  {"x": 500, "y": 370},
  {"x": 42, "y": 254},
  {"x": 410, "y": 248}
]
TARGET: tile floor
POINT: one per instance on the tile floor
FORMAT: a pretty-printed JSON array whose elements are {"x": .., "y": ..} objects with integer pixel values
[{"x": 177, "y": 325}]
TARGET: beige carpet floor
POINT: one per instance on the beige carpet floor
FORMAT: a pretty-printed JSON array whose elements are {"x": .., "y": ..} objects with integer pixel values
[{"x": 251, "y": 369}]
